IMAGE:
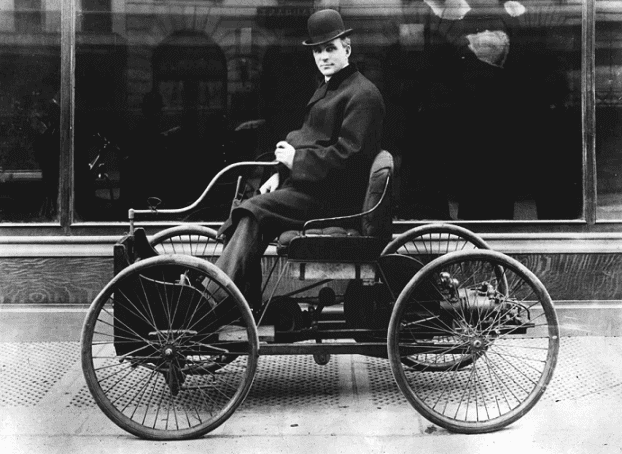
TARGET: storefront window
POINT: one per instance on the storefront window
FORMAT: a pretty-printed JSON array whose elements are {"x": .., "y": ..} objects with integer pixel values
[
  {"x": 483, "y": 102},
  {"x": 609, "y": 109},
  {"x": 153, "y": 106},
  {"x": 29, "y": 110},
  {"x": 487, "y": 94}
]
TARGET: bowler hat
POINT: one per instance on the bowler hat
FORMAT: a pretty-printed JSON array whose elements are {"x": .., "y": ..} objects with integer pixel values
[{"x": 324, "y": 26}]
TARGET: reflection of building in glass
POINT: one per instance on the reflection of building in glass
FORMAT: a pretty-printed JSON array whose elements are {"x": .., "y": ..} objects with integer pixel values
[
  {"x": 30, "y": 68},
  {"x": 233, "y": 78}
]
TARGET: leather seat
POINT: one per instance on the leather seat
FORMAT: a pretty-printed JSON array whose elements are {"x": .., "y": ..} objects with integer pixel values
[{"x": 356, "y": 238}]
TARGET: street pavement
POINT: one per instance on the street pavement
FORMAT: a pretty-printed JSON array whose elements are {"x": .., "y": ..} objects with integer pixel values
[{"x": 350, "y": 405}]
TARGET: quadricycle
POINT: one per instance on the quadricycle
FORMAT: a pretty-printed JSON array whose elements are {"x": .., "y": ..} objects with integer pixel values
[{"x": 170, "y": 346}]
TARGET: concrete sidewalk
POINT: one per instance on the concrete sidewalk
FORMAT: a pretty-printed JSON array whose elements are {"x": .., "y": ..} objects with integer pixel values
[{"x": 351, "y": 405}]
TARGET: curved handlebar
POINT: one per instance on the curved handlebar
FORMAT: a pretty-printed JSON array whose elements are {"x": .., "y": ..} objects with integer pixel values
[{"x": 206, "y": 191}]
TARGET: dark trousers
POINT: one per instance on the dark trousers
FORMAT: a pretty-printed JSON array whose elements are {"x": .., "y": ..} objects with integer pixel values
[{"x": 241, "y": 258}]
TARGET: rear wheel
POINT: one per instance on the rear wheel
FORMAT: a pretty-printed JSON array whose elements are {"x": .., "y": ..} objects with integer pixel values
[
  {"x": 485, "y": 306},
  {"x": 152, "y": 342},
  {"x": 188, "y": 239},
  {"x": 427, "y": 242}
]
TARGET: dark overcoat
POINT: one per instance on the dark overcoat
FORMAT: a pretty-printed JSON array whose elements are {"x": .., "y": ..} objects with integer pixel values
[{"x": 335, "y": 147}]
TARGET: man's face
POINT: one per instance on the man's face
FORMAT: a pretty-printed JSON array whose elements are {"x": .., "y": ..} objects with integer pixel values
[{"x": 331, "y": 57}]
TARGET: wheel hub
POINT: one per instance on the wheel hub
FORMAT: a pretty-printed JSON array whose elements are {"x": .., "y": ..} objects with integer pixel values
[
  {"x": 169, "y": 352},
  {"x": 478, "y": 344}
]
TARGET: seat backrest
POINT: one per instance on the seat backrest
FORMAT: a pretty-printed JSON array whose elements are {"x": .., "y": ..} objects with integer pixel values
[{"x": 378, "y": 223}]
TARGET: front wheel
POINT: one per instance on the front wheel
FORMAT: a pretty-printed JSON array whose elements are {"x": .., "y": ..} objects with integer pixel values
[
  {"x": 408, "y": 252},
  {"x": 151, "y": 342},
  {"x": 481, "y": 305}
]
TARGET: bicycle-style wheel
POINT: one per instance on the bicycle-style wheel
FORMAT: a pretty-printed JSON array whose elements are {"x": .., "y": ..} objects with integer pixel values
[
  {"x": 429, "y": 241},
  {"x": 188, "y": 239},
  {"x": 151, "y": 342},
  {"x": 489, "y": 307}
]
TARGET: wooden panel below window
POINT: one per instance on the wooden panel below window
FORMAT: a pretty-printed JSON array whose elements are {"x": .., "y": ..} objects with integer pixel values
[
  {"x": 53, "y": 280},
  {"x": 78, "y": 280}
]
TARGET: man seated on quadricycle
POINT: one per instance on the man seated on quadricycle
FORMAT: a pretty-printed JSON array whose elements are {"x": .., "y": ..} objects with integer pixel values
[{"x": 323, "y": 167}]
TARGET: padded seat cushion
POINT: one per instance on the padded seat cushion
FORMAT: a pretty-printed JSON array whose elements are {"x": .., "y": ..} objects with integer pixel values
[
  {"x": 332, "y": 244},
  {"x": 286, "y": 237}
]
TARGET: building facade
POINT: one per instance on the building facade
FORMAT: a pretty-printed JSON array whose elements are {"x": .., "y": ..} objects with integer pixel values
[{"x": 503, "y": 116}]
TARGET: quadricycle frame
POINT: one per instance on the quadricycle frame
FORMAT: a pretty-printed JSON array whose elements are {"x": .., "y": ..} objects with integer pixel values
[{"x": 170, "y": 346}]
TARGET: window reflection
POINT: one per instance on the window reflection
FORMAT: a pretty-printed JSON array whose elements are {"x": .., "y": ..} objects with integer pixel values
[
  {"x": 100, "y": 96},
  {"x": 29, "y": 110},
  {"x": 490, "y": 102},
  {"x": 483, "y": 102},
  {"x": 608, "y": 109}
]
